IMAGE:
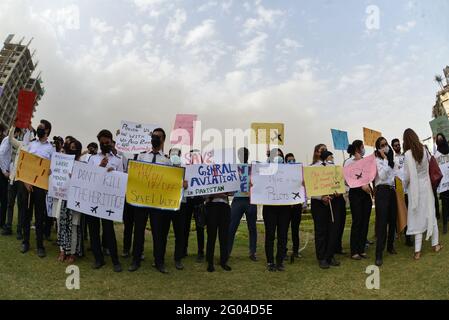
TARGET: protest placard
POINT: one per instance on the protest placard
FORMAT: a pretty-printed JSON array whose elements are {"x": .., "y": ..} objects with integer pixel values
[
  {"x": 340, "y": 139},
  {"x": 25, "y": 108},
  {"x": 370, "y": 136},
  {"x": 401, "y": 220},
  {"x": 134, "y": 138},
  {"x": 96, "y": 192},
  {"x": 268, "y": 133},
  {"x": 443, "y": 163},
  {"x": 154, "y": 186},
  {"x": 440, "y": 125},
  {"x": 33, "y": 170},
  {"x": 277, "y": 184},
  {"x": 360, "y": 173},
  {"x": 61, "y": 167},
  {"x": 322, "y": 181},
  {"x": 244, "y": 173},
  {"x": 212, "y": 179}
]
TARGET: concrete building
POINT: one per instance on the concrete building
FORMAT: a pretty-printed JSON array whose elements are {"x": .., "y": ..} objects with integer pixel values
[
  {"x": 16, "y": 73},
  {"x": 441, "y": 106}
]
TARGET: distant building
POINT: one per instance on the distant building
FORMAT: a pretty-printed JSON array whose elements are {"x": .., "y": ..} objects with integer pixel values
[
  {"x": 16, "y": 73},
  {"x": 441, "y": 106}
]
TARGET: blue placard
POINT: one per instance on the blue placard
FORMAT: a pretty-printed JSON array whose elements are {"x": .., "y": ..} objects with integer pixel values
[{"x": 341, "y": 141}]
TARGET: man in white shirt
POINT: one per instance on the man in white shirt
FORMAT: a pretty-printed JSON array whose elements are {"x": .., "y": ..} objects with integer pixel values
[
  {"x": 159, "y": 220},
  {"x": 37, "y": 197},
  {"x": 105, "y": 159}
]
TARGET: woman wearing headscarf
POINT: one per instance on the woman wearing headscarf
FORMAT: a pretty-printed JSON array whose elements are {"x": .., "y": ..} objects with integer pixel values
[{"x": 442, "y": 156}]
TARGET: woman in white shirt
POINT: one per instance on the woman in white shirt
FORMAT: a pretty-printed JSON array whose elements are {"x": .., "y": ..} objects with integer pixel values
[
  {"x": 386, "y": 208},
  {"x": 421, "y": 208}
]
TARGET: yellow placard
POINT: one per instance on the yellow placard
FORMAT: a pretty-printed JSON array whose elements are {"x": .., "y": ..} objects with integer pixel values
[
  {"x": 154, "y": 186},
  {"x": 33, "y": 170},
  {"x": 401, "y": 222},
  {"x": 267, "y": 133},
  {"x": 370, "y": 136},
  {"x": 321, "y": 181}
]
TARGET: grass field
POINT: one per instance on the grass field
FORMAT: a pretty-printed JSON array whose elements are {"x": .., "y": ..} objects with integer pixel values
[{"x": 29, "y": 277}]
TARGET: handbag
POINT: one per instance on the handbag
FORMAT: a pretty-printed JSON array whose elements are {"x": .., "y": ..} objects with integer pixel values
[{"x": 434, "y": 172}]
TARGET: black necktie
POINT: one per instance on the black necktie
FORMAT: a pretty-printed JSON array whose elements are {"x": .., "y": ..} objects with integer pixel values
[{"x": 154, "y": 157}]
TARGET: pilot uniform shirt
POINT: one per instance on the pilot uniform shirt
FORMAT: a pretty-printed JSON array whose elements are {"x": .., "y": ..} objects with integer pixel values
[{"x": 114, "y": 162}]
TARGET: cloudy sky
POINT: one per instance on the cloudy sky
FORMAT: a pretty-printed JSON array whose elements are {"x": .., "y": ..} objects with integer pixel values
[{"x": 313, "y": 65}]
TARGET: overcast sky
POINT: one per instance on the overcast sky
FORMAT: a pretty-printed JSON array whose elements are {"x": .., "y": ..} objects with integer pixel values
[{"x": 314, "y": 65}]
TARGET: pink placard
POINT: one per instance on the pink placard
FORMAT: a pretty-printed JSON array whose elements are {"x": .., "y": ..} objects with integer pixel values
[
  {"x": 360, "y": 173},
  {"x": 183, "y": 130}
]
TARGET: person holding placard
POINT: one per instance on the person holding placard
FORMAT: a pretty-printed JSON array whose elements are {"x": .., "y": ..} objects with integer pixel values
[
  {"x": 386, "y": 206},
  {"x": 361, "y": 203},
  {"x": 276, "y": 219},
  {"x": 326, "y": 219},
  {"x": 421, "y": 210},
  {"x": 241, "y": 205},
  {"x": 35, "y": 198},
  {"x": 442, "y": 157},
  {"x": 159, "y": 219},
  {"x": 108, "y": 160}
]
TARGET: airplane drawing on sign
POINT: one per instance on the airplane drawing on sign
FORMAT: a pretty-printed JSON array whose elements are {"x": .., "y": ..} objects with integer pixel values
[
  {"x": 277, "y": 136},
  {"x": 296, "y": 195},
  {"x": 93, "y": 209},
  {"x": 359, "y": 176},
  {"x": 77, "y": 204},
  {"x": 110, "y": 212}
]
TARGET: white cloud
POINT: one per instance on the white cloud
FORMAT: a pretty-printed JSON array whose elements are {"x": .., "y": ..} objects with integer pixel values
[
  {"x": 406, "y": 27},
  {"x": 175, "y": 24},
  {"x": 254, "y": 51},
  {"x": 288, "y": 45},
  {"x": 100, "y": 26},
  {"x": 265, "y": 17},
  {"x": 208, "y": 5},
  {"x": 62, "y": 19},
  {"x": 200, "y": 33}
]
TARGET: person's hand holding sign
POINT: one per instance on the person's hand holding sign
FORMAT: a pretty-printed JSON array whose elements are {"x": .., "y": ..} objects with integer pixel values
[{"x": 104, "y": 162}]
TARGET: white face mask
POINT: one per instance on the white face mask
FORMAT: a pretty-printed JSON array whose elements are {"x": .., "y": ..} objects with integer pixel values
[
  {"x": 278, "y": 159},
  {"x": 330, "y": 162},
  {"x": 386, "y": 149},
  {"x": 362, "y": 152},
  {"x": 175, "y": 160}
]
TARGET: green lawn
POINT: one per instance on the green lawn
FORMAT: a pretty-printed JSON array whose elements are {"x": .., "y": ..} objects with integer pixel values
[{"x": 28, "y": 277}]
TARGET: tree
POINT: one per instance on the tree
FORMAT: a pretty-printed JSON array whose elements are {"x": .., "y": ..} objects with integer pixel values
[{"x": 439, "y": 80}]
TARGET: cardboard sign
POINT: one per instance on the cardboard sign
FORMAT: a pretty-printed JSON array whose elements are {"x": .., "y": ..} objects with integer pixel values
[
  {"x": 440, "y": 125},
  {"x": 25, "y": 108},
  {"x": 277, "y": 184},
  {"x": 370, "y": 136},
  {"x": 183, "y": 130},
  {"x": 212, "y": 179},
  {"x": 267, "y": 133},
  {"x": 401, "y": 221},
  {"x": 155, "y": 186},
  {"x": 322, "y": 181},
  {"x": 340, "y": 139},
  {"x": 361, "y": 172},
  {"x": 134, "y": 138},
  {"x": 443, "y": 163},
  {"x": 244, "y": 173},
  {"x": 96, "y": 192},
  {"x": 61, "y": 167},
  {"x": 33, "y": 170}
]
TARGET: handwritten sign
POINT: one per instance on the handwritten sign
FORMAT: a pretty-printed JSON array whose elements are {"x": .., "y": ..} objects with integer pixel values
[
  {"x": 401, "y": 220},
  {"x": 61, "y": 167},
  {"x": 440, "y": 125},
  {"x": 25, "y": 108},
  {"x": 277, "y": 184},
  {"x": 134, "y": 138},
  {"x": 370, "y": 136},
  {"x": 33, "y": 170},
  {"x": 340, "y": 138},
  {"x": 321, "y": 181},
  {"x": 267, "y": 133},
  {"x": 443, "y": 163},
  {"x": 183, "y": 129},
  {"x": 212, "y": 179},
  {"x": 244, "y": 173},
  {"x": 154, "y": 186},
  {"x": 361, "y": 172},
  {"x": 96, "y": 192}
]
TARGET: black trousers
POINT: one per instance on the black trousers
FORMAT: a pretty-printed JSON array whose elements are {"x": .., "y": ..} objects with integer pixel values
[
  {"x": 276, "y": 220},
  {"x": 326, "y": 231},
  {"x": 295, "y": 221},
  {"x": 3, "y": 199},
  {"x": 37, "y": 204},
  {"x": 218, "y": 219},
  {"x": 178, "y": 221},
  {"x": 444, "y": 196},
  {"x": 140, "y": 223},
  {"x": 340, "y": 204},
  {"x": 437, "y": 205},
  {"x": 361, "y": 206},
  {"x": 12, "y": 194},
  {"x": 95, "y": 238},
  {"x": 195, "y": 209},
  {"x": 386, "y": 215},
  {"x": 128, "y": 223},
  {"x": 22, "y": 204},
  {"x": 160, "y": 227}
]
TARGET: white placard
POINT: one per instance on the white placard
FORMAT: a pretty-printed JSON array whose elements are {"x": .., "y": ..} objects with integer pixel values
[
  {"x": 134, "y": 138},
  {"x": 443, "y": 162},
  {"x": 206, "y": 179},
  {"x": 61, "y": 167}
]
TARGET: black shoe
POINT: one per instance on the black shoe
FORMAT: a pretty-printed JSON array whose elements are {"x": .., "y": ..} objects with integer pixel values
[
  {"x": 125, "y": 254},
  {"x": 392, "y": 251},
  {"x": 19, "y": 236},
  {"x": 334, "y": 263},
  {"x": 25, "y": 248},
  {"x": 445, "y": 229},
  {"x": 179, "y": 265},
  {"x": 134, "y": 267},
  {"x": 379, "y": 262},
  {"x": 117, "y": 268},
  {"x": 323, "y": 264},
  {"x": 225, "y": 267},
  {"x": 41, "y": 253},
  {"x": 162, "y": 269},
  {"x": 7, "y": 232},
  {"x": 253, "y": 257},
  {"x": 280, "y": 267},
  {"x": 297, "y": 255},
  {"x": 271, "y": 267},
  {"x": 200, "y": 258},
  {"x": 210, "y": 268},
  {"x": 363, "y": 256},
  {"x": 98, "y": 264}
]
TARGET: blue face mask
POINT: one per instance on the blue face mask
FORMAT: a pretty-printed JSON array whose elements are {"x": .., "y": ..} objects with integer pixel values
[
  {"x": 175, "y": 160},
  {"x": 292, "y": 161},
  {"x": 278, "y": 159}
]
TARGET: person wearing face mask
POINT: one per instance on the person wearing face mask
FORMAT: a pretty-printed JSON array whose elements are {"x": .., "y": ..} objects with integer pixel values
[
  {"x": 360, "y": 200},
  {"x": 386, "y": 206},
  {"x": 34, "y": 199},
  {"x": 159, "y": 219},
  {"x": 276, "y": 219},
  {"x": 442, "y": 157},
  {"x": 111, "y": 162},
  {"x": 70, "y": 237}
]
